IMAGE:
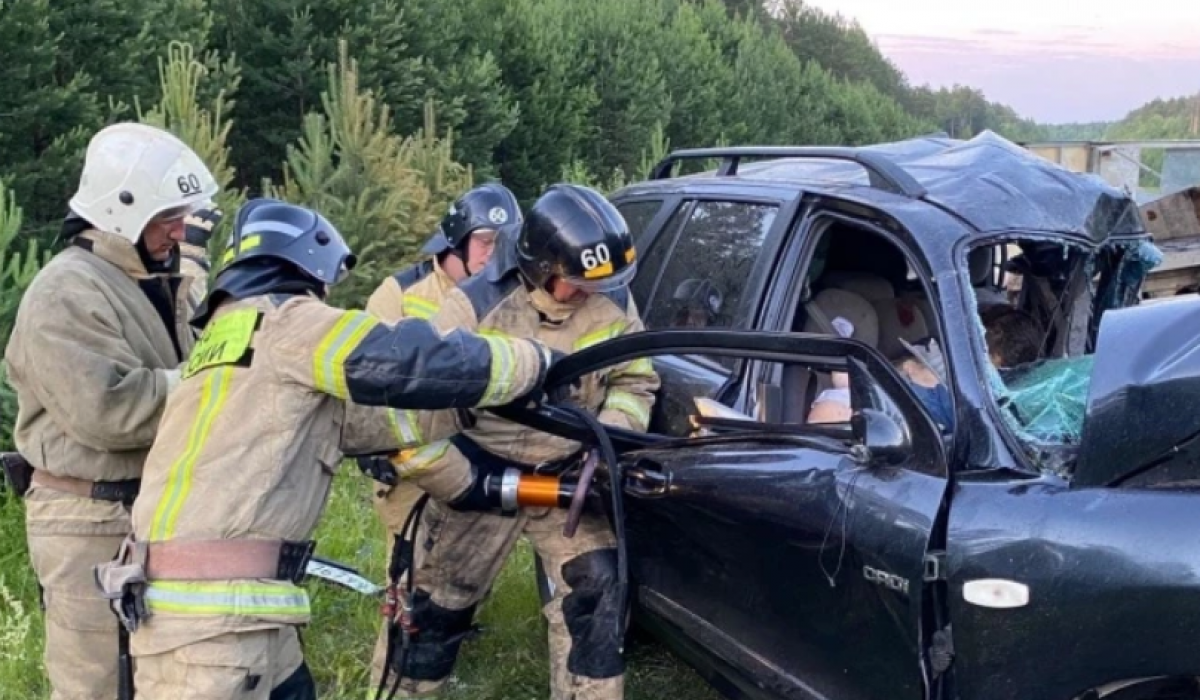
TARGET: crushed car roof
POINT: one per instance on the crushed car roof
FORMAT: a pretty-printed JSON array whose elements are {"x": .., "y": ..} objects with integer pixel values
[{"x": 988, "y": 181}]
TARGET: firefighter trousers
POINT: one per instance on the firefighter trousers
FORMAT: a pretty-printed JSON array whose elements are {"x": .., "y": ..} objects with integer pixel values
[
  {"x": 67, "y": 536},
  {"x": 458, "y": 557},
  {"x": 266, "y": 664},
  {"x": 392, "y": 504}
]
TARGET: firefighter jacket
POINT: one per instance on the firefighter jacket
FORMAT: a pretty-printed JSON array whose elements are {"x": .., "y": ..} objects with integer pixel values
[
  {"x": 193, "y": 262},
  {"x": 276, "y": 391},
  {"x": 415, "y": 292},
  {"x": 93, "y": 353},
  {"x": 496, "y": 303}
]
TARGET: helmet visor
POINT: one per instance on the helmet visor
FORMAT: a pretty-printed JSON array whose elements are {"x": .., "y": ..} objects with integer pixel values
[
  {"x": 344, "y": 269},
  {"x": 173, "y": 214},
  {"x": 610, "y": 283}
]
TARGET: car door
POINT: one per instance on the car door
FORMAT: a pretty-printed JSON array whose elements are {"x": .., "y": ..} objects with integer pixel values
[{"x": 788, "y": 558}]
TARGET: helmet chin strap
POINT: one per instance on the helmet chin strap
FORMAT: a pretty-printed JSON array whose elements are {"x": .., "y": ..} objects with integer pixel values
[{"x": 460, "y": 251}]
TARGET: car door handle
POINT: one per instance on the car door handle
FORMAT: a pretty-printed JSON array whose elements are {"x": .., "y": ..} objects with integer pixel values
[{"x": 645, "y": 482}]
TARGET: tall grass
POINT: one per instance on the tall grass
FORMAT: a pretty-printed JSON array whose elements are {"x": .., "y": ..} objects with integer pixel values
[
  {"x": 21, "y": 674},
  {"x": 507, "y": 661}
]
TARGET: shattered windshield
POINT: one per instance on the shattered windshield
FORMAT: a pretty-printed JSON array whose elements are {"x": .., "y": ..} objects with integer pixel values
[{"x": 1039, "y": 323}]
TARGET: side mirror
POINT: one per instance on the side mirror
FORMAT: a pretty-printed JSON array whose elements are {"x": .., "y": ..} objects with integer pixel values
[{"x": 882, "y": 438}]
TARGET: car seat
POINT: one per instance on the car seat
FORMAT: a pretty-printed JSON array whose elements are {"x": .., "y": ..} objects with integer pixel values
[
  {"x": 801, "y": 385},
  {"x": 981, "y": 267},
  {"x": 832, "y": 303},
  {"x": 898, "y": 319}
]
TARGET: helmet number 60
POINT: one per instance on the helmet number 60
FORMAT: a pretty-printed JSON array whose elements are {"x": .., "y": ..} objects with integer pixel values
[
  {"x": 591, "y": 258},
  {"x": 188, "y": 184}
]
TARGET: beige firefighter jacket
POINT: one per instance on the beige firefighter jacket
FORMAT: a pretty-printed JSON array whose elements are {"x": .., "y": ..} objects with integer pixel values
[
  {"x": 415, "y": 292},
  {"x": 193, "y": 262},
  {"x": 92, "y": 361},
  {"x": 276, "y": 391},
  {"x": 497, "y": 304}
]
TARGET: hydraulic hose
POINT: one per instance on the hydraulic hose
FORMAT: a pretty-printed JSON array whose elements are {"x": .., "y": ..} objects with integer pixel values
[
  {"x": 515, "y": 490},
  {"x": 608, "y": 455},
  {"x": 402, "y": 562}
]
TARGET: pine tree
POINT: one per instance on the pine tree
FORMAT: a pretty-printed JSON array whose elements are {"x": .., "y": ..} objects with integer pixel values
[
  {"x": 545, "y": 64},
  {"x": 698, "y": 75},
  {"x": 628, "y": 77},
  {"x": 20, "y": 260},
  {"x": 48, "y": 113},
  {"x": 408, "y": 52},
  {"x": 116, "y": 41},
  {"x": 384, "y": 193},
  {"x": 461, "y": 77},
  {"x": 578, "y": 172}
]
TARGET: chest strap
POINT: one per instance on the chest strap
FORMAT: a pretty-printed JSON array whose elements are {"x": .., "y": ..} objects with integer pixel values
[
  {"x": 218, "y": 560},
  {"x": 116, "y": 491}
]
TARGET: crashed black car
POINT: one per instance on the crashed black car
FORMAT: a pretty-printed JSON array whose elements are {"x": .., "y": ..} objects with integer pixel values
[{"x": 1037, "y": 538}]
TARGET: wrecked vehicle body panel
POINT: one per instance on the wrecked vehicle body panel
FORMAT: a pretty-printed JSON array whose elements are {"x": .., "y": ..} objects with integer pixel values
[
  {"x": 1141, "y": 410},
  {"x": 891, "y": 556},
  {"x": 1111, "y": 590},
  {"x": 1011, "y": 190}
]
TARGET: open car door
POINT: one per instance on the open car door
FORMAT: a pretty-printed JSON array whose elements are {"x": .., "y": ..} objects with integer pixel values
[{"x": 788, "y": 558}]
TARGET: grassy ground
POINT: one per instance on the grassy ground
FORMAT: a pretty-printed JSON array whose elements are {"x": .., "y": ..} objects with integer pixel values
[{"x": 506, "y": 662}]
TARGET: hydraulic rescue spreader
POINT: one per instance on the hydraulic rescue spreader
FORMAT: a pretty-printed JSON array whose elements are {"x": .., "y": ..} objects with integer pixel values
[{"x": 511, "y": 491}]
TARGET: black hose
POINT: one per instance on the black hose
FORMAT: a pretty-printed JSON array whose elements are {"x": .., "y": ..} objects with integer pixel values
[
  {"x": 402, "y": 561},
  {"x": 608, "y": 454}
]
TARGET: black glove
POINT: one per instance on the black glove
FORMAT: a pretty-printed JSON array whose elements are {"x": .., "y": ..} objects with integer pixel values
[
  {"x": 482, "y": 495},
  {"x": 18, "y": 473},
  {"x": 199, "y": 225},
  {"x": 378, "y": 468}
]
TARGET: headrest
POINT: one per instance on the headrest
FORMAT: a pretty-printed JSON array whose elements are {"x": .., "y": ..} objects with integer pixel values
[
  {"x": 979, "y": 265},
  {"x": 839, "y": 303},
  {"x": 869, "y": 286}
]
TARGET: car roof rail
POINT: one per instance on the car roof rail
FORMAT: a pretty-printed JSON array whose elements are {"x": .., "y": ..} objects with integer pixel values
[{"x": 881, "y": 171}]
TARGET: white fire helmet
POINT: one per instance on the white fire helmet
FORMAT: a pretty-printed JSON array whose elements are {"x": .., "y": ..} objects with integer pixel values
[{"x": 135, "y": 172}]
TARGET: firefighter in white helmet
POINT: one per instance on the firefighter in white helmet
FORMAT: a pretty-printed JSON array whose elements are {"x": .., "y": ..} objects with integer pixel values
[{"x": 98, "y": 340}]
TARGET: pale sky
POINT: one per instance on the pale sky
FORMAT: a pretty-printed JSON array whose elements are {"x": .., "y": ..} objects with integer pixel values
[{"x": 1052, "y": 60}]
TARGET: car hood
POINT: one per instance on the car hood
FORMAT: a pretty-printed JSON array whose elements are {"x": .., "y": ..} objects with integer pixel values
[{"x": 1142, "y": 426}]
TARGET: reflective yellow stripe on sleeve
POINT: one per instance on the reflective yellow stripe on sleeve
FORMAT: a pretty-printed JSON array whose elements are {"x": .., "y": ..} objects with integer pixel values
[
  {"x": 639, "y": 367},
  {"x": 329, "y": 373},
  {"x": 628, "y": 404},
  {"x": 596, "y": 337},
  {"x": 413, "y": 463},
  {"x": 419, "y": 307},
  {"x": 227, "y": 598},
  {"x": 501, "y": 387},
  {"x": 179, "y": 478},
  {"x": 405, "y": 427}
]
